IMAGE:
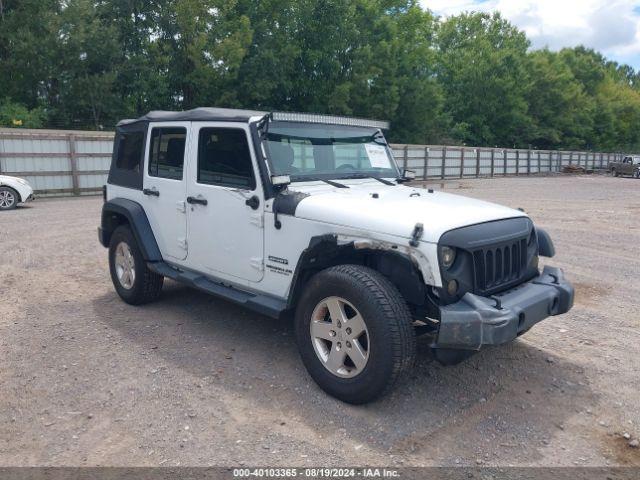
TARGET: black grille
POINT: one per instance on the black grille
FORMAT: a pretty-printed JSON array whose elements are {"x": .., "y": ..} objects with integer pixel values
[{"x": 499, "y": 266}]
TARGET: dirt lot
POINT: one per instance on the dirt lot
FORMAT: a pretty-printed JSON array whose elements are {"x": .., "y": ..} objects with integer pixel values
[{"x": 190, "y": 380}]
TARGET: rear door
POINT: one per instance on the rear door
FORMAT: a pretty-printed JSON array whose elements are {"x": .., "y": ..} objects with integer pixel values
[
  {"x": 164, "y": 187},
  {"x": 225, "y": 203}
]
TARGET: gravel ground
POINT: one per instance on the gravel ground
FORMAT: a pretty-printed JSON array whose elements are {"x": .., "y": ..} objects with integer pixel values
[{"x": 190, "y": 380}]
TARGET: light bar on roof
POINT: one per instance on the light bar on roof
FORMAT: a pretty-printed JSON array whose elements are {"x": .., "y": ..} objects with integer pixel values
[{"x": 328, "y": 119}]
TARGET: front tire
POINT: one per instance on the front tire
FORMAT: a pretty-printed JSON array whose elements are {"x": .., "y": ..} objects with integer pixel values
[
  {"x": 354, "y": 332},
  {"x": 8, "y": 198},
  {"x": 131, "y": 277}
]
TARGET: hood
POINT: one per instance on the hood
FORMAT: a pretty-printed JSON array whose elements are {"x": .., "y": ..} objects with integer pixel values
[{"x": 369, "y": 205}]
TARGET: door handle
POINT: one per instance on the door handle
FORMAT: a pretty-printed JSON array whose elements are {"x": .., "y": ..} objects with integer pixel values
[
  {"x": 253, "y": 202},
  {"x": 199, "y": 201},
  {"x": 152, "y": 193}
]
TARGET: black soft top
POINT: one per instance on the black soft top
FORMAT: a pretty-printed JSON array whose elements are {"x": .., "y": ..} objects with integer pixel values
[{"x": 203, "y": 114}]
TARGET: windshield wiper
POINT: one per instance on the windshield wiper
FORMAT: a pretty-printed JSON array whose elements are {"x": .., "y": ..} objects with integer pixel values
[
  {"x": 334, "y": 184},
  {"x": 381, "y": 180}
]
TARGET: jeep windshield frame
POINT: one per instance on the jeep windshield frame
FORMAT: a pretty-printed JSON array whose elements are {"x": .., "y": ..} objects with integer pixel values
[{"x": 321, "y": 151}]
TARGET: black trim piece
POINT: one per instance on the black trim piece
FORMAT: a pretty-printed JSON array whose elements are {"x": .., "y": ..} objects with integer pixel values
[
  {"x": 333, "y": 184},
  {"x": 267, "y": 187},
  {"x": 138, "y": 222},
  {"x": 263, "y": 304},
  {"x": 287, "y": 202},
  {"x": 545, "y": 244}
]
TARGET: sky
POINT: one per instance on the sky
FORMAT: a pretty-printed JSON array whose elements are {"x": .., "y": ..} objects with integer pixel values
[{"x": 610, "y": 26}]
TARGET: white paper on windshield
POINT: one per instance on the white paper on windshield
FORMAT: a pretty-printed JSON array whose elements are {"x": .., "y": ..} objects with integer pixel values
[{"x": 377, "y": 156}]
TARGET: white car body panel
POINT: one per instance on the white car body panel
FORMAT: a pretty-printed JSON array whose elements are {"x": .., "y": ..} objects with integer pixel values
[
  {"x": 19, "y": 185},
  {"x": 396, "y": 210}
]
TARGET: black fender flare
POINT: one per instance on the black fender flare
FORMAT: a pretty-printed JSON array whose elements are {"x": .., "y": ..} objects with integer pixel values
[
  {"x": 545, "y": 244},
  {"x": 135, "y": 215}
]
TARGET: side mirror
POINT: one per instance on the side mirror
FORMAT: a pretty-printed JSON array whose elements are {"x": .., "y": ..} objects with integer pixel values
[
  {"x": 409, "y": 175},
  {"x": 280, "y": 180}
]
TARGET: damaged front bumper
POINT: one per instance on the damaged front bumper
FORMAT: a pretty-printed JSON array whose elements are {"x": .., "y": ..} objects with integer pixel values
[{"x": 476, "y": 321}]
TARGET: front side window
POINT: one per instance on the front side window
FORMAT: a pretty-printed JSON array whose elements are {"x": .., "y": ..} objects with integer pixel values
[
  {"x": 166, "y": 152},
  {"x": 130, "y": 148},
  {"x": 224, "y": 158},
  {"x": 307, "y": 151}
]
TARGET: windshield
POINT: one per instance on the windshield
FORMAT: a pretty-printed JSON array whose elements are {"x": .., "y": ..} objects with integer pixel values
[{"x": 308, "y": 152}]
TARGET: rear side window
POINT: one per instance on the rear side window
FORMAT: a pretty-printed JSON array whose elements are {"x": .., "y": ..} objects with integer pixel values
[
  {"x": 166, "y": 155},
  {"x": 224, "y": 158},
  {"x": 130, "y": 151}
]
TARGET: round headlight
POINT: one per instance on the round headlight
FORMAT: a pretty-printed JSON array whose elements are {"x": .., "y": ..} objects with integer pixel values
[{"x": 447, "y": 256}]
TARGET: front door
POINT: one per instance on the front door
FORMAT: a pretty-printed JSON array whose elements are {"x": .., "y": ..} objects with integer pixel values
[
  {"x": 165, "y": 187},
  {"x": 224, "y": 202}
]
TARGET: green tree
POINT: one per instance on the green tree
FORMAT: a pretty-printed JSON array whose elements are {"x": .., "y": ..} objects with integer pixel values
[
  {"x": 561, "y": 111},
  {"x": 483, "y": 71},
  {"x": 203, "y": 44},
  {"x": 16, "y": 115}
]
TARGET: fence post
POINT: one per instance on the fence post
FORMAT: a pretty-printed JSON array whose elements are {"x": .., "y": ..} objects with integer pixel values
[
  {"x": 426, "y": 162},
  {"x": 528, "y": 162},
  {"x": 538, "y": 162},
  {"x": 462, "y": 162},
  {"x": 493, "y": 160},
  {"x": 517, "y": 162},
  {"x": 444, "y": 160},
  {"x": 73, "y": 163},
  {"x": 406, "y": 157},
  {"x": 477, "y": 163},
  {"x": 504, "y": 155}
]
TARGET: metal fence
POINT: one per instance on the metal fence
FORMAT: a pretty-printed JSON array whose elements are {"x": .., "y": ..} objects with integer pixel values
[
  {"x": 57, "y": 162},
  {"x": 63, "y": 162},
  {"x": 438, "y": 161}
]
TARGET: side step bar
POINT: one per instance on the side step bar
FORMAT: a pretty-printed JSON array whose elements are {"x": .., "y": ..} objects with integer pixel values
[{"x": 269, "y": 306}]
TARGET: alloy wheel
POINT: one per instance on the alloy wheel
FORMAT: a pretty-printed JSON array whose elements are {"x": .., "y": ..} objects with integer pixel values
[
  {"x": 7, "y": 199},
  {"x": 125, "y": 265},
  {"x": 340, "y": 337}
]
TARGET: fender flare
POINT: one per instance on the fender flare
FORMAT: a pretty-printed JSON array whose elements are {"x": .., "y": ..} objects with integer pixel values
[
  {"x": 545, "y": 244},
  {"x": 137, "y": 219}
]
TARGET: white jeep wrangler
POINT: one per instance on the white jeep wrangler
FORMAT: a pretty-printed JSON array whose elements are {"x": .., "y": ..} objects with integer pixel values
[{"x": 307, "y": 213}]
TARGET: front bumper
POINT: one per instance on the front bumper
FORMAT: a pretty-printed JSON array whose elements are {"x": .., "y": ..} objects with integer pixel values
[{"x": 475, "y": 321}]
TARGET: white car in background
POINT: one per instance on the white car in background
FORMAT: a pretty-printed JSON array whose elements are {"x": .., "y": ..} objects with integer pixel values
[{"x": 14, "y": 190}]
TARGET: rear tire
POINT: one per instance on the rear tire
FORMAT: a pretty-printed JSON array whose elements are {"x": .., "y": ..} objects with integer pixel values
[
  {"x": 614, "y": 172},
  {"x": 371, "y": 363},
  {"x": 131, "y": 277},
  {"x": 8, "y": 198}
]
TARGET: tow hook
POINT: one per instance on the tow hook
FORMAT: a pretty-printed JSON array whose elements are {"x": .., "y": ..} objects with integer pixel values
[{"x": 418, "y": 230}]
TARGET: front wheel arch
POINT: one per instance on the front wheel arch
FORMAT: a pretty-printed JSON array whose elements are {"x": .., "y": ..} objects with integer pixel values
[{"x": 324, "y": 252}]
